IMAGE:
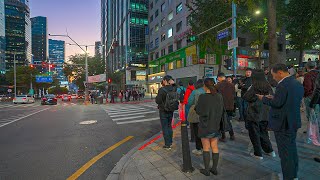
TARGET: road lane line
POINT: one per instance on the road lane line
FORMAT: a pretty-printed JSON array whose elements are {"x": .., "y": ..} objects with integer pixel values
[
  {"x": 122, "y": 108},
  {"x": 23, "y": 117},
  {"x": 134, "y": 117},
  {"x": 86, "y": 166},
  {"x": 124, "y": 112},
  {"x": 131, "y": 114},
  {"x": 136, "y": 121}
]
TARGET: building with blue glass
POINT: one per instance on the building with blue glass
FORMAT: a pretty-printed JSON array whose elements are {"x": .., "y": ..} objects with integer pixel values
[
  {"x": 125, "y": 23},
  {"x": 57, "y": 58},
  {"x": 39, "y": 39},
  {"x": 2, "y": 39},
  {"x": 18, "y": 33}
]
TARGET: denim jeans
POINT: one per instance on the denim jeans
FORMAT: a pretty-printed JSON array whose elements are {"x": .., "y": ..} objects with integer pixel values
[
  {"x": 166, "y": 124},
  {"x": 187, "y": 109}
]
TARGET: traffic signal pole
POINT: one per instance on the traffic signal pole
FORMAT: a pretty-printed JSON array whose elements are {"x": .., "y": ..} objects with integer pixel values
[{"x": 234, "y": 36}]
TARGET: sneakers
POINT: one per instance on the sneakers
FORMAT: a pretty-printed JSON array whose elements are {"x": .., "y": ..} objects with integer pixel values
[
  {"x": 257, "y": 157},
  {"x": 197, "y": 152},
  {"x": 167, "y": 147},
  {"x": 272, "y": 154}
]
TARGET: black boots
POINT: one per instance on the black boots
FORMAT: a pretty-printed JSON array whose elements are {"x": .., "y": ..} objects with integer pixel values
[
  {"x": 215, "y": 159},
  {"x": 206, "y": 161}
]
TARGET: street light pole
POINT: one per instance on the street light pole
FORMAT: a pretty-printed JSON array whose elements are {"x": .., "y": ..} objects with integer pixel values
[
  {"x": 15, "y": 75},
  {"x": 86, "y": 87},
  {"x": 234, "y": 36}
]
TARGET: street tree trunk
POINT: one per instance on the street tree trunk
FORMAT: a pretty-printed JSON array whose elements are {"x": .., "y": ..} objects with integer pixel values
[{"x": 272, "y": 27}]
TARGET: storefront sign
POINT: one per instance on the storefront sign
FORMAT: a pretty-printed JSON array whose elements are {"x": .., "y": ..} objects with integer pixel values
[
  {"x": 208, "y": 72},
  {"x": 97, "y": 78}
]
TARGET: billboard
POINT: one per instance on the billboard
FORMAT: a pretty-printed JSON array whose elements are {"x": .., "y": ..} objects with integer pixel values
[
  {"x": 97, "y": 78},
  {"x": 44, "y": 79}
]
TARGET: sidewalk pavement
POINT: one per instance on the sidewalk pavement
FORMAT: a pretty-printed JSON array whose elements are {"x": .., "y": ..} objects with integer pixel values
[{"x": 153, "y": 162}]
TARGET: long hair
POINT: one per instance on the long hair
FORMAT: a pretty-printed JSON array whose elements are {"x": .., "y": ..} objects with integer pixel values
[
  {"x": 260, "y": 83},
  {"x": 209, "y": 83}
]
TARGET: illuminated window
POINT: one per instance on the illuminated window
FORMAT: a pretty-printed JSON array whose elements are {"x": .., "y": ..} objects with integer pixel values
[
  {"x": 179, "y": 63},
  {"x": 163, "y": 22},
  {"x": 156, "y": 28},
  {"x": 163, "y": 7},
  {"x": 170, "y": 16},
  {"x": 170, "y": 66},
  {"x": 169, "y": 32},
  {"x": 179, "y": 8}
]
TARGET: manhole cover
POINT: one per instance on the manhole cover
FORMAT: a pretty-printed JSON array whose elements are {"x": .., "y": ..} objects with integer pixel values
[{"x": 88, "y": 122}]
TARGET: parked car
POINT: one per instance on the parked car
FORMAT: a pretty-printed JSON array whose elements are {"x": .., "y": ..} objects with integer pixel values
[
  {"x": 23, "y": 99},
  {"x": 66, "y": 97},
  {"x": 73, "y": 96},
  {"x": 49, "y": 99}
]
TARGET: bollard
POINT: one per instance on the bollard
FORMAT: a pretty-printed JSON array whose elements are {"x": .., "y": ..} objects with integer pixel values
[{"x": 186, "y": 156}]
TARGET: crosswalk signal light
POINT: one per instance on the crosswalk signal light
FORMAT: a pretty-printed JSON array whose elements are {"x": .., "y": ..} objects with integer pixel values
[
  {"x": 31, "y": 66},
  {"x": 109, "y": 80}
]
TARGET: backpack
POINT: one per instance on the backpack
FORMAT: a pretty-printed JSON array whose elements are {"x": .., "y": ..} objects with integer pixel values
[
  {"x": 181, "y": 94},
  {"x": 172, "y": 103}
]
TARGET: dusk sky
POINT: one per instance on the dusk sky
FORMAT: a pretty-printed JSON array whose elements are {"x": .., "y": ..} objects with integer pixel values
[{"x": 80, "y": 17}]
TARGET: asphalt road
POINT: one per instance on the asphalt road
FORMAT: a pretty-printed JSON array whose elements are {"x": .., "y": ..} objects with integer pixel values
[{"x": 47, "y": 142}]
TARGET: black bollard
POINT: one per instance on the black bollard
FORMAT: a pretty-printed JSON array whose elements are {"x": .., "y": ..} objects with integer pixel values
[{"x": 187, "y": 165}]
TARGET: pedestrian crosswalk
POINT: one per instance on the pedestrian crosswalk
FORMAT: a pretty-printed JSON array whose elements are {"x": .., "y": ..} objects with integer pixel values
[{"x": 131, "y": 113}]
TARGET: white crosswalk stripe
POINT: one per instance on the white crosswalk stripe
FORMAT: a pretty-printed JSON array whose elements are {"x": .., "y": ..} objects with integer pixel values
[{"x": 130, "y": 113}]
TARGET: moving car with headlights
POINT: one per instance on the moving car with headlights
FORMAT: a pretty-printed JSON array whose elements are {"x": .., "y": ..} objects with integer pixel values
[
  {"x": 49, "y": 99},
  {"x": 66, "y": 97},
  {"x": 23, "y": 99}
]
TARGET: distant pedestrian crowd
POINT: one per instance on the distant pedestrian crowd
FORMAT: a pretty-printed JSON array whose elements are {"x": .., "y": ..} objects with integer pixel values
[{"x": 271, "y": 99}]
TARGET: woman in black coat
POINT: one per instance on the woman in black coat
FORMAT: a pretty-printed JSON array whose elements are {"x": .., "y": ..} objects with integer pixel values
[
  {"x": 210, "y": 110},
  {"x": 257, "y": 115}
]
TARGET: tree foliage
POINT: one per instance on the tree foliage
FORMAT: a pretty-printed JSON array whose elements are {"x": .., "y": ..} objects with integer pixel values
[
  {"x": 58, "y": 90},
  {"x": 301, "y": 18},
  {"x": 24, "y": 76}
]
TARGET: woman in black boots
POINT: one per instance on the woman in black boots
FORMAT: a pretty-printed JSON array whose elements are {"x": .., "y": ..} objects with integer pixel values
[
  {"x": 210, "y": 111},
  {"x": 257, "y": 115}
]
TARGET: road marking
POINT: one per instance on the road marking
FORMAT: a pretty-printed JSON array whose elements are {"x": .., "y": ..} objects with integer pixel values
[
  {"x": 133, "y": 114},
  {"x": 136, "y": 121},
  {"x": 134, "y": 117},
  {"x": 86, "y": 166},
  {"x": 124, "y": 108},
  {"x": 131, "y": 111},
  {"x": 23, "y": 117}
]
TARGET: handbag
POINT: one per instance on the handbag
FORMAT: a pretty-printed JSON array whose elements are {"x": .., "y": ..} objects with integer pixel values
[
  {"x": 313, "y": 129},
  {"x": 193, "y": 116},
  {"x": 224, "y": 124}
]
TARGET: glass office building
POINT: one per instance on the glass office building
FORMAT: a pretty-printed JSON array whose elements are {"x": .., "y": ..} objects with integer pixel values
[
  {"x": 2, "y": 39},
  {"x": 39, "y": 39},
  {"x": 18, "y": 33},
  {"x": 57, "y": 57},
  {"x": 126, "y": 22}
]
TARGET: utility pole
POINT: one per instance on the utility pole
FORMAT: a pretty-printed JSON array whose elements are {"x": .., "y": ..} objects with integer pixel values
[
  {"x": 86, "y": 88},
  {"x": 234, "y": 36},
  {"x": 15, "y": 75}
]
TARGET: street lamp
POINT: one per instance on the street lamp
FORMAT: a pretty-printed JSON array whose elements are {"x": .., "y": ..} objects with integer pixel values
[
  {"x": 86, "y": 53},
  {"x": 257, "y": 12}
]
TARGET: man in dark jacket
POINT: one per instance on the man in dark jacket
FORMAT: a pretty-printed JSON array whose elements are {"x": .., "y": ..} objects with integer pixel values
[
  {"x": 285, "y": 118},
  {"x": 165, "y": 116},
  {"x": 227, "y": 90},
  {"x": 309, "y": 84},
  {"x": 314, "y": 102},
  {"x": 244, "y": 85}
]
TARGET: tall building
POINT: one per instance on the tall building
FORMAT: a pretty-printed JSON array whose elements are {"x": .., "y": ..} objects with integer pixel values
[
  {"x": 18, "y": 33},
  {"x": 2, "y": 39},
  {"x": 57, "y": 58},
  {"x": 103, "y": 28},
  {"x": 97, "y": 48},
  {"x": 125, "y": 23},
  {"x": 39, "y": 39}
]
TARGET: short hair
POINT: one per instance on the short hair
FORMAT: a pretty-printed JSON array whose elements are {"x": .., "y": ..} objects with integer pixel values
[
  {"x": 167, "y": 78},
  {"x": 266, "y": 68},
  {"x": 279, "y": 67},
  {"x": 311, "y": 65},
  {"x": 180, "y": 83},
  {"x": 249, "y": 69},
  {"x": 191, "y": 83},
  {"x": 221, "y": 75}
]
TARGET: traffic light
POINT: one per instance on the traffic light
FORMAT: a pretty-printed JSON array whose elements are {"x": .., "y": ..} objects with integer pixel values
[
  {"x": 228, "y": 64},
  {"x": 31, "y": 66},
  {"x": 51, "y": 66},
  {"x": 109, "y": 80},
  {"x": 192, "y": 38}
]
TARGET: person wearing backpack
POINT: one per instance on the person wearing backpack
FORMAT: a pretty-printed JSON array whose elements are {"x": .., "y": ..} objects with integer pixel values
[
  {"x": 181, "y": 91},
  {"x": 168, "y": 102}
]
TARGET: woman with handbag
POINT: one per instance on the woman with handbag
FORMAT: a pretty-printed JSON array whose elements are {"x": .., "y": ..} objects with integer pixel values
[
  {"x": 210, "y": 110},
  {"x": 257, "y": 115},
  {"x": 193, "y": 117}
]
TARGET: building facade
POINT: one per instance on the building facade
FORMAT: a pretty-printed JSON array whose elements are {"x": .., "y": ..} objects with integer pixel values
[
  {"x": 18, "y": 33},
  {"x": 97, "y": 48},
  {"x": 2, "y": 39},
  {"x": 39, "y": 39},
  {"x": 57, "y": 58},
  {"x": 125, "y": 24}
]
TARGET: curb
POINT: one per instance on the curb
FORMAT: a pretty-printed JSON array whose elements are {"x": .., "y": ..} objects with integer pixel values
[{"x": 123, "y": 162}]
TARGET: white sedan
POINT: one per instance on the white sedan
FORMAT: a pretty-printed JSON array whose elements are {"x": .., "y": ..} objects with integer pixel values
[{"x": 23, "y": 99}]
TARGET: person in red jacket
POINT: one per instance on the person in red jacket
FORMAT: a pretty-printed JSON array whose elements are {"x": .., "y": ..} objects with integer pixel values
[{"x": 189, "y": 90}]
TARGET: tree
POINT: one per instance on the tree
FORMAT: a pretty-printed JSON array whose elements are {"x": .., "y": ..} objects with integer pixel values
[
  {"x": 58, "y": 90},
  {"x": 304, "y": 33},
  {"x": 24, "y": 76}
]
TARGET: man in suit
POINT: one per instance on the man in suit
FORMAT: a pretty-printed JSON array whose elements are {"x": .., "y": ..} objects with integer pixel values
[{"x": 285, "y": 118}]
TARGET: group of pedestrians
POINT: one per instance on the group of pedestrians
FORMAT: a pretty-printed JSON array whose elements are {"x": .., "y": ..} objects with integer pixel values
[
  {"x": 134, "y": 95},
  {"x": 268, "y": 100}
]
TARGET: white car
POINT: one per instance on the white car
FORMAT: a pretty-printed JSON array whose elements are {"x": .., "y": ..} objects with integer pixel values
[{"x": 23, "y": 99}]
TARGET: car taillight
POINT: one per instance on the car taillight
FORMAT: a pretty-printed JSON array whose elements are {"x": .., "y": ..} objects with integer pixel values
[
  {"x": 44, "y": 99},
  {"x": 54, "y": 98},
  {"x": 14, "y": 98},
  {"x": 24, "y": 98}
]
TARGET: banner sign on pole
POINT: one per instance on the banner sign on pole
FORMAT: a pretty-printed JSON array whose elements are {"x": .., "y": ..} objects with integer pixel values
[{"x": 97, "y": 78}]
